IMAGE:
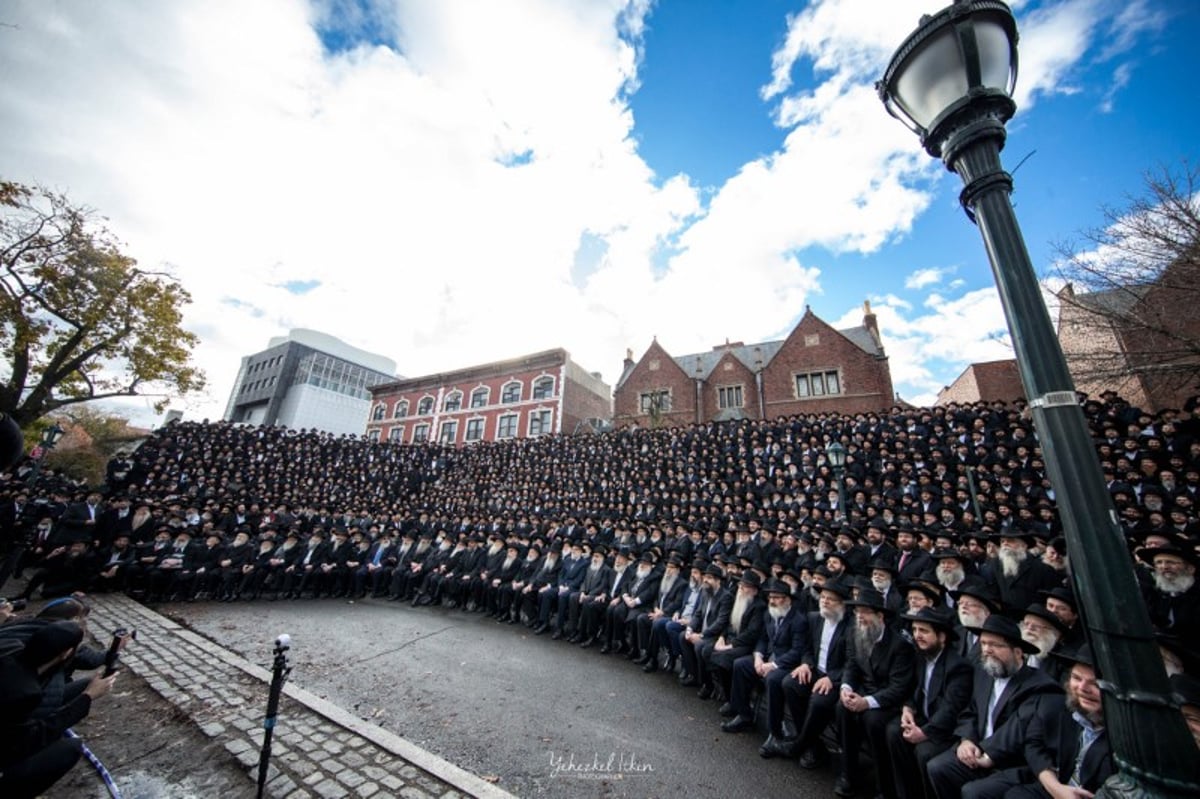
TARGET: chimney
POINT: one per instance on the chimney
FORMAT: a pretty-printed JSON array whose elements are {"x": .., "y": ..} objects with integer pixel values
[
  {"x": 628, "y": 359},
  {"x": 871, "y": 323}
]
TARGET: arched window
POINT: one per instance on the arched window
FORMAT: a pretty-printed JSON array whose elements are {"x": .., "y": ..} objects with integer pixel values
[
  {"x": 543, "y": 388},
  {"x": 511, "y": 392},
  {"x": 377, "y": 414},
  {"x": 452, "y": 402},
  {"x": 401, "y": 410},
  {"x": 425, "y": 406},
  {"x": 480, "y": 396}
]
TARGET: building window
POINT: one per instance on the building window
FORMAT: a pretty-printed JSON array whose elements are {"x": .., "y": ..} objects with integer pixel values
[
  {"x": 729, "y": 396},
  {"x": 373, "y": 436},
  {"x": 377, "y": 414},
  {"x": 543, "y": 388},
  {"x": 539, "y": 422},
  {"x": 655, "y": 401},
  {"x": 511, "y": 393},
  {"x": 401, "y": 410},
  {"x": 479, "y": 397},
  {"x": 474, "y": 429},
  {"x": 449, "y": 433},
  {"x": 396, "y": 434},
  {"x": 420, "y": 433},
  {"x": 452, "y": 402},
  {"x": 506, "y": 426},
  {"x": 425, "y": 406},
  {"x": 818, "y": 384}
]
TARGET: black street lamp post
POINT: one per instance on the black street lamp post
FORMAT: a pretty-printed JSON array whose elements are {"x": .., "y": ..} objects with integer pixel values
[
  {"x": 951, "y": 82},
  {"x": 50, "y": 438},
  {"x": 835, "y": 453}
]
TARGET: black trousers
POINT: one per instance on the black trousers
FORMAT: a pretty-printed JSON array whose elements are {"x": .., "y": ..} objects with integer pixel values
[
  {"x": 33, "y": 775},
  {"x": 909, "y": 762}
]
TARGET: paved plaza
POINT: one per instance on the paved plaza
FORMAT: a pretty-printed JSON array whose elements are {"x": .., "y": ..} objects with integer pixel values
[{"x": 389, "y": 700}]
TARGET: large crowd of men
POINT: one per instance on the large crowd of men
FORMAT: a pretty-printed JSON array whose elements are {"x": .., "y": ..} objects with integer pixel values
[{"x": 929, "y": 621}]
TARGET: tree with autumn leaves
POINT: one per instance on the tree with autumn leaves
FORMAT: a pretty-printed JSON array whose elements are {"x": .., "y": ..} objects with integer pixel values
[{"x": 79, "y": 319}]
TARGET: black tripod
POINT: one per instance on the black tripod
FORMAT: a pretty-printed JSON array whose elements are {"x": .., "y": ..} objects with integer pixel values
[{"x": 279, "y": 673}]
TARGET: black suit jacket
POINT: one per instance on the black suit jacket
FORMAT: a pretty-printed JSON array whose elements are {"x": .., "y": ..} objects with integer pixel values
[
  {"x": 671, "y": 601},
  {"x": 885, "y": 672},
  {"x": 1014, "y": 711},
  {"x": 1052, "y": 742},
  {"x": 784, "y": 643},
  {"x": 949, "y": 692},
  {"x": 712, "y": 614},
  {"x": 919, "y": 561},
  {"x": 835, "y": 663},
  {"x": 750, "y": 626}
]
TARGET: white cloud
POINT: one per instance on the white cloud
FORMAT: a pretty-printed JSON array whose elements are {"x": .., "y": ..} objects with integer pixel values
[
  {"x": 436, "y": 193},
  {"x": 923, "y": 277}
]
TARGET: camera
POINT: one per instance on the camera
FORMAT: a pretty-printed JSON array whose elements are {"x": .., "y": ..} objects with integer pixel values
[
  {"x": 114, "y": 648},
  {"x": 283, "y": 642}
]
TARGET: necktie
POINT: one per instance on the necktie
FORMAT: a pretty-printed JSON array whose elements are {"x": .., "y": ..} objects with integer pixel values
[{"x": 903, "y": 560}]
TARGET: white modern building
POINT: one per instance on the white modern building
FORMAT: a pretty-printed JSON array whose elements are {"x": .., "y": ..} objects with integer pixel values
[{"x": 308, "y": 380}]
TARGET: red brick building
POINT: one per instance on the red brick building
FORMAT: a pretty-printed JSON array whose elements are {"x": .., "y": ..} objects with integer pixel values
[
  {"x": 532, "y": 395},
  {"x": 1139, "y": 341},
  {"x": 814, "y": 370},
  {"x": 988, "y": 381}
]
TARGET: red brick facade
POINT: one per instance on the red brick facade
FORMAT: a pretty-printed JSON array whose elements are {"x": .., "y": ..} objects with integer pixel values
[
  {"x": 987, "y": 382},
  {"x": 814, "y": 370},
  {"x": 529, "y": 396}
]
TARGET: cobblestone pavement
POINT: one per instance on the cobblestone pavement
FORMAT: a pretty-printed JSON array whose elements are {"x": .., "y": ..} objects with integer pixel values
[{"x": 318, "y": 749}]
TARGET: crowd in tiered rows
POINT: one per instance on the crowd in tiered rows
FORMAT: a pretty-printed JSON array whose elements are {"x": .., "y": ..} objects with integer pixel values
[{"x": 928, "y": 618}]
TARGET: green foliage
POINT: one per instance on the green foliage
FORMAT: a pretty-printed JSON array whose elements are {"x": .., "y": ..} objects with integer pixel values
[{"x": 78, "y": 319}]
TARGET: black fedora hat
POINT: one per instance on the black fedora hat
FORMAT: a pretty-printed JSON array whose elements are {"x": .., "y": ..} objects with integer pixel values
[
  {"x": 777, "y": 587},
  {"x": 1045, "y": 615},
  {"x": 840, "y": 588},
  {"x": 871, "y": 599},
  {"x": 1006, "y": 628},
  {"x": 940, "y": 618},
  {"x": 1189, "y": 555},
  {"x": 751, "y": 578},
  {"x": 978, "y": 589}
]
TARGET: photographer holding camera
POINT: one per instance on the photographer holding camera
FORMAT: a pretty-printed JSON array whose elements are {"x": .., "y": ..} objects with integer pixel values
[{"x": 33, "y": 752}]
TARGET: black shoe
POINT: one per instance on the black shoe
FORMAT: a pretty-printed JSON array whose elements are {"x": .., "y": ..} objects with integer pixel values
[
  {"x": 727, "y": 710},
  {"x": 644, "y": 659},
  {"x": 650, "y": 667},
  {"x": 633, "y": 655},
  {"x": 574, "y": 639},
  {"x": 775, "y": 746},
  {"x": 671, "y": 664},
  {"x": 541, "y": 628},
  {"x": 604, "y": 650},
  {"x": 557, "y": 635},
  {"x": 813, "y": 759},
  {"x": 705, "y": 692},
  {"x": 688, "y": 681},
  {"x": 737, "y": 724},
  {"x": 843, "y": 787},
  {"x": 587, "y": 643}
]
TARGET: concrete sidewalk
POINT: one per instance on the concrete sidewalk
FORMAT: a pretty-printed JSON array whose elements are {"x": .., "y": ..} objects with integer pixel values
[{"x": 318, "y": 749}]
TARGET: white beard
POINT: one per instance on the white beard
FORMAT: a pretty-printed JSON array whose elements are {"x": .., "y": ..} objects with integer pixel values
[
  {"x": 951, "y": 580},
  {"x": 1044, "y": 643},
  {"x": 1174, "y": 585},
  {"x": 668, "y": 581},
  {"x": 1010, "y": 560},
  {"x": 508, "y": 562},
  {"x": 971, "y": 619},
  {"x": 495, "y": 548},
  {"x": 777, "y": 613},
  {"x": 739, "y": 609},
  {"x": 881, "y": 586},
  {"x": 833, "y": 616}
]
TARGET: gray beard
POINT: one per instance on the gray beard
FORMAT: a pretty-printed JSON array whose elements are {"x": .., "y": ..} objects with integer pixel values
[
  {"x": 865, "y": 637},
  {"x": 1173, "y": 586},
  {"x": 508, "y": 562},
  {"x": 1043, "y": 643},
  {"x": 951, "y": 580},
  {"x": 996, "y": 669},
  {"x": 739, "y": 609},
  {"x": 834, "y": 616}
]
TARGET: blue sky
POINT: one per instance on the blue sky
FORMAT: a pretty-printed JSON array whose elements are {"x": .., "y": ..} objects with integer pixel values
[{"x": 451, "y": 182}]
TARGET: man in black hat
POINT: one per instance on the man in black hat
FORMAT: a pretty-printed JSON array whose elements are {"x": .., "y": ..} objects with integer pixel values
[
  {"x": 1005, "y": 696},
  {"x": 706, "y": 626},
  {"x": 925, "y": 727},
  {"x": 974, "y": 602},
  {"x": 1173, "y": 595},
  {"x": 570, "y": 579},
  {"x": 780, "y": 648},
  {"x": 741, "y": 632},
  {"x": 1044, "y": 630},
  {"x": 1016, "y": 575},
  {"x": 912, "y": 561},
  {"x": 594, "y": 614},
  {"x": 811, "y": 689},
  {"x": 1062, "y": 603},
  {"x": 877, "y": 680},
  {"x": 667, "y": 603},
  {"x": 591, "y": 590},
  {"x": 299, "y": 575}
]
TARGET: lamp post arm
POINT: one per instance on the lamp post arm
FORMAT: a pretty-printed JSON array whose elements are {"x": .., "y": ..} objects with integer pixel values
[{"x": 1154, "y": 751}]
